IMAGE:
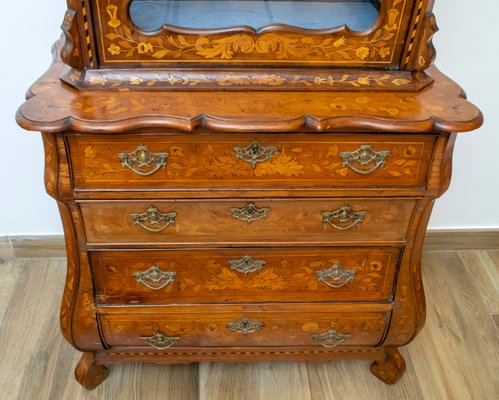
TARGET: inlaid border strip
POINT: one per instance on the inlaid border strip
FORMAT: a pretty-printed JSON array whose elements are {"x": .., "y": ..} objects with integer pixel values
[
  {"x": 86, "y": 27},
  {"x": 414, "y": 31},
  {"x": 224, "y": 352}
]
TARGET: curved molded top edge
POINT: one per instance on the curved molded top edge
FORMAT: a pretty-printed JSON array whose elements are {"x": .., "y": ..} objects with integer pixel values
[
  {"x": 55, "y": 107},
  {"x": 305, "y": 123}
]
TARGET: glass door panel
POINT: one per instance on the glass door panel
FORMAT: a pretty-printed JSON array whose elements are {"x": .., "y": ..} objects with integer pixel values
[{"x": 151, "y": 15}]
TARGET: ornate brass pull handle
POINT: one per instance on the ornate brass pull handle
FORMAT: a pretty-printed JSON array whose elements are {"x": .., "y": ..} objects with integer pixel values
[
  {"x": 244, "y": 326},
  {"x": 160, "y": 341},
  {"x": 155, "y": 278},
  {"x": 142, "y": 157},
  {"x": 335, "y": 276},
  {"x": 246, "y": 265},
  {"x": 154, "y": 217},
  {"x": 365, "y": 156},
  {"x": 249, "y": 213},
  {"x": 255, "y": 153},
  {"x": 329, "y": 339},
  {"x": 342, "y": 216}
]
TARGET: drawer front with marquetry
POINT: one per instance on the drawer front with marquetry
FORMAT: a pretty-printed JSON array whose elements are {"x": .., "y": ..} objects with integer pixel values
[
  {"x": 243, "y": 222},
  {"x": 244, "y": 275},
  {"x": 231, "y": 161},
  {"x": 243, "y": 329}
]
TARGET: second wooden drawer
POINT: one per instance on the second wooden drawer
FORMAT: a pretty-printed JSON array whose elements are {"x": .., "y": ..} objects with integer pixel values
[{"x": 267, "y": 222}]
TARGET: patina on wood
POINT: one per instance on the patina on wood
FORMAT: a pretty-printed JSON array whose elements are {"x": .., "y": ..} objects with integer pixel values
[{"x": 305, "y": 211}]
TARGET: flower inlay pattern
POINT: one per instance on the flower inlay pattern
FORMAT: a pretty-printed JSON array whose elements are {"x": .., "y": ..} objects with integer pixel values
[
  {"x": 218, "y": 161},
  {"x": 123, "y": 43}
]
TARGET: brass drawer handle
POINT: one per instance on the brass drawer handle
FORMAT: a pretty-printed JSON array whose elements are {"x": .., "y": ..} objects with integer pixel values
[
  {"x": 343, "y": 215},
  {"x": 255, "y": 153},
  {"x": 154, "y": 217},
  {"x": 142, "y": 157},
  {"x": 249, "y": 213},
  {"x": 365, "y": 156},
  {"x": 244, "y": 326},
  {"x": 155, "y": 278},
  {"x": 329, "y": 339},
  {"x": 160, "y": 341},
  {"x": 246, "y": 265},
  {"x": 335, "y": 276}
]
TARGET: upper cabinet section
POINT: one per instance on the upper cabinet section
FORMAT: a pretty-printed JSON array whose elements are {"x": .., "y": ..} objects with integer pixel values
[
  {"x": 353, "y": 35},
  {"x": 253, "y": 32},
  {"x": 152, "y": 15}
]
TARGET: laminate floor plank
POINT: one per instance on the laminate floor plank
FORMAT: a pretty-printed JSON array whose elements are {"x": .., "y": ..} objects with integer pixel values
[
  {"x": 30, "y": 331},
  {"x": 284, "y": 381},
  {"x": 255, "y": 381},
  {"x": 456, "y": 353},
  {"x": 9, "y": 272},
  {"x": 229, "y": 381},
  {"x": 351, "y": 379},
  {"x": 495, "y": 318},
  {"x": 6, "y": 250},
  {"x": 483, "y": 266}
]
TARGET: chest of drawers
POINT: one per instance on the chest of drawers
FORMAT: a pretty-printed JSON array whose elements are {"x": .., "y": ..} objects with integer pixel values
[{"x": 243, "y": 225}]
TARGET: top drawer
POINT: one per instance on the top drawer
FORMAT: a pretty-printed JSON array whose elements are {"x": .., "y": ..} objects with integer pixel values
[{"x": 256, "y": 161}]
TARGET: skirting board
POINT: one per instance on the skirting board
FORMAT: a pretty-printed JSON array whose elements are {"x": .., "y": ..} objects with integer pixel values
[{"x": 436, "y": 240}]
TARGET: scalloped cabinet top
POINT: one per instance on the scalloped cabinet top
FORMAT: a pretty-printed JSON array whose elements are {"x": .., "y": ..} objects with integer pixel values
[{"x": 54, "y": 106}]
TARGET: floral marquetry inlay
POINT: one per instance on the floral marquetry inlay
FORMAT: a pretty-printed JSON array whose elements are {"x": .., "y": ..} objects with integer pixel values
[
  {"x": 276, "y": 275},
  {"x": 123, "y": 42},
  {"x": 219, "y": 161},
  {"x": 159, "y": 80}
]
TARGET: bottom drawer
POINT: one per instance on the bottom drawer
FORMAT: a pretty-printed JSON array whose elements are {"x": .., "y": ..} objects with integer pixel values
[{"x": 244, "y": 329}]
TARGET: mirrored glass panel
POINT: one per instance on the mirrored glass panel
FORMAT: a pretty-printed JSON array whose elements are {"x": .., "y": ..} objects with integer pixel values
[{"x": 151, "y": 15}]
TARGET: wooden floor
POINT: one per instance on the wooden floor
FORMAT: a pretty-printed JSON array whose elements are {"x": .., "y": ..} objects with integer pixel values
[{"x": 456, "y": 356}]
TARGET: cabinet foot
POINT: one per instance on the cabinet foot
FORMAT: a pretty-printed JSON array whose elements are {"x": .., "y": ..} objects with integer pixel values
[
  {"x": 392, "y": 369},
  {"x": 88, "y": 374}
]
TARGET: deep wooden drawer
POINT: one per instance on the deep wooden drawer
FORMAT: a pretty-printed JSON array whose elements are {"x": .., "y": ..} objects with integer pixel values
[
  {"x": 231, "y": 161},
  {"x": 244, "y": 329},
  {"x": 244, "y": 275},
  {"x": 244, "y": 222}
]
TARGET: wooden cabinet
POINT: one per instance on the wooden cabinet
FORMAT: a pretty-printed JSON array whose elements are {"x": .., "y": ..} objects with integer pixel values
[{"x": 254, "y": 186}]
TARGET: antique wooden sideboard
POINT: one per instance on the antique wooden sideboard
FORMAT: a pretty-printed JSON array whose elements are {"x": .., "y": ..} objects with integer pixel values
[{"x": 245, "y": 191}]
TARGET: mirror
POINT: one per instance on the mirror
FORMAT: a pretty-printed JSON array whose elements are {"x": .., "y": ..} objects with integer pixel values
[{"x": 151, "y": 15}]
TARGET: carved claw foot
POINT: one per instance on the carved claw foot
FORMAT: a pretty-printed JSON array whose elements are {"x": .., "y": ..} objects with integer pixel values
[
  {"x": 88, "y": 374},
  {"x": 392, "y": 369}
]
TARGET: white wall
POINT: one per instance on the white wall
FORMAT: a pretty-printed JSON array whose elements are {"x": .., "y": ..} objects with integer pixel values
[{"x": 29, "y": 28}]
